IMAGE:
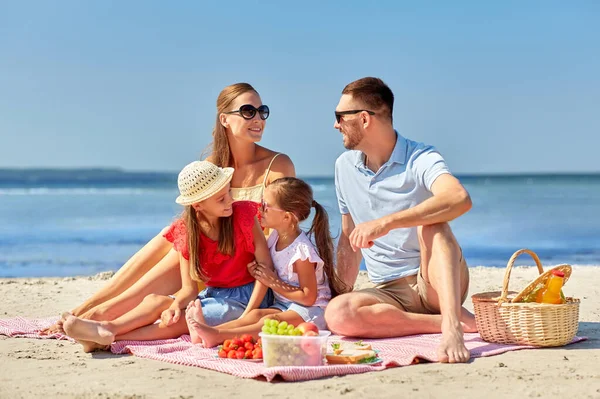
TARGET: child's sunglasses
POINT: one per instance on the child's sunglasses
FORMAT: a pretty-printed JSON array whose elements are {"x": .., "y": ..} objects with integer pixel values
[
  {"x": 264, "y": 206},
  {"x": 339, "y": 114},
  {"x": 248, "y": 111}
]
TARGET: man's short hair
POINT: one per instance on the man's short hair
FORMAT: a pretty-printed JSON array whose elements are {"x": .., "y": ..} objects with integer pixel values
[{"x": 373, "y": 93}]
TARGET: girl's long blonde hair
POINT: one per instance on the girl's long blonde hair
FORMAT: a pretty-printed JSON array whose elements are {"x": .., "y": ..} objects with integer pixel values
[{"x": 296, "y": 196}]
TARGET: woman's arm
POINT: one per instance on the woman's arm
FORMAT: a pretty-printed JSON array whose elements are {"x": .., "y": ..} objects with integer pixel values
[
  {"x": 188, "y": 292},
  {"x": 262, "y": 255},
  {"x": 305, "y": 294}
]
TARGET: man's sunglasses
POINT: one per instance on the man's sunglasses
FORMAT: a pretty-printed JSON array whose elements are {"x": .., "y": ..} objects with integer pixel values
[
  {"x": 248, "y": 111},
  {"x": 339, "y": 114}
]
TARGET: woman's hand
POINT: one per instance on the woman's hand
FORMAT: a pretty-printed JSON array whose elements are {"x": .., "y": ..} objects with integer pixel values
[
  {"x": 262, "y": 273},
  {"x": 170, "y": 317}
]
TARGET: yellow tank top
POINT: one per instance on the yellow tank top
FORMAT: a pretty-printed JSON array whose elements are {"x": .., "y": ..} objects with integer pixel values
[{"x": 254, "y": 193}]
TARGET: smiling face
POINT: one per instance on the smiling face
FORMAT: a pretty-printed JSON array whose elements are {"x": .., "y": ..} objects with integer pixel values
[
  {"x": 350, "y": 126},
  {"x": 217, "y": 206},
  {"x": 240, "y": 128},
  {"x": 272, "y": 216}
]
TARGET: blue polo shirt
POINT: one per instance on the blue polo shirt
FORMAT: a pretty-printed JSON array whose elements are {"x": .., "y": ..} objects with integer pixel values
[{"x": 401, "y": 183}]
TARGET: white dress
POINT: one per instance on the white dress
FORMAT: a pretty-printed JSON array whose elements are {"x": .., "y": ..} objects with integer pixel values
[{"x": 301, "y": 249}]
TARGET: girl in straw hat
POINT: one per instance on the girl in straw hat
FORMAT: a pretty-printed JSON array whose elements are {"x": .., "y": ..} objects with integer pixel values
[
  {"x": 215, "y": 239},
  {"x": 240, "y": 122},
  {"x": 304, "y": 279}
]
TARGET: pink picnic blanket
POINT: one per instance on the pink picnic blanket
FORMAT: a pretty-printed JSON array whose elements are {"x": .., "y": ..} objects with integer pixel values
[{"x": 393, "y": 352}]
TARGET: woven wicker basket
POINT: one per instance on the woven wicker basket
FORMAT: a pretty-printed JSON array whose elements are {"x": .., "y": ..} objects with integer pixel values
[{"x": 504, "y": 320}]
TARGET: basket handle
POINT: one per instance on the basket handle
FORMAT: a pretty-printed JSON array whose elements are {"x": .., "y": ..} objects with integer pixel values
[{"x": 509, "y": 266}]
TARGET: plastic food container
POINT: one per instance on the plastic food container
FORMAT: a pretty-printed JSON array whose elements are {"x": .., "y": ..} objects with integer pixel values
[{"x": 286, "y": 350}]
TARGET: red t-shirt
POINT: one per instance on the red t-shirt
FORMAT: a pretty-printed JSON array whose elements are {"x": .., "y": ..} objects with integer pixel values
[{"x": 222, "y": 270}]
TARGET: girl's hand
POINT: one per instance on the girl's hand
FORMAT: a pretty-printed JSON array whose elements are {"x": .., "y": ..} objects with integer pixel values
[
  {"x": 170, "y": 317},
  {"x": 262, "y": 273}
]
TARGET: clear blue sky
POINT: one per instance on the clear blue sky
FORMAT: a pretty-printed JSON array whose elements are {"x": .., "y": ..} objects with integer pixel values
[{"x": 512, "y": 86}]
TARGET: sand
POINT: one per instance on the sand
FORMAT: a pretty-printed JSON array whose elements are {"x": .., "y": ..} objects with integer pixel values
[{"x": 50, "y": 368}]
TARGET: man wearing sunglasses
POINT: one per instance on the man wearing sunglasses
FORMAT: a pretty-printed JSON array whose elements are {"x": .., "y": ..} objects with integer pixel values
[{"x": 396, "y": 197}]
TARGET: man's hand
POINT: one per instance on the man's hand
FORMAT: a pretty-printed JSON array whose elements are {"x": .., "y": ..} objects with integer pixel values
[
  {"x": 364, "y": 233},
  {"x": 170, "y": 317}
]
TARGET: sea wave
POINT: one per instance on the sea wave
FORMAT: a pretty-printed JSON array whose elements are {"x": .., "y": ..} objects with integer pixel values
[{"x": 80, "y": 191}]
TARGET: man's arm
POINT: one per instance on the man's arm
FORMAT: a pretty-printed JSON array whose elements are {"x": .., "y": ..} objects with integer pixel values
[
  {"x": 348, "y": 261},
  {"x": 450, "y": 200}
]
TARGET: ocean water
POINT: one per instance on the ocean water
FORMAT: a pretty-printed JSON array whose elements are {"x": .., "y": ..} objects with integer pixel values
[{"x": 63, "y": 223}]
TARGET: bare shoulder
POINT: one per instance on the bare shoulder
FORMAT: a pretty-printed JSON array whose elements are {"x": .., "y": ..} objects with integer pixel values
[
  {"x": 282, "y": 167},
  {"x": 210, "y": 158}
]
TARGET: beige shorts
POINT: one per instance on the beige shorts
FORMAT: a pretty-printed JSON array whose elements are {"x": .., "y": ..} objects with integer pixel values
[{"x": 412, "y": 293}]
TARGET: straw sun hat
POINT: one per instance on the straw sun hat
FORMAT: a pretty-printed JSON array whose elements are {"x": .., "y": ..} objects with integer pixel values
[{"x": 200, "y": 180}]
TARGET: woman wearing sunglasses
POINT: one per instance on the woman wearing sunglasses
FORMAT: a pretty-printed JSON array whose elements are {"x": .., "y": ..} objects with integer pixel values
[{"x": 154, "y": 269}]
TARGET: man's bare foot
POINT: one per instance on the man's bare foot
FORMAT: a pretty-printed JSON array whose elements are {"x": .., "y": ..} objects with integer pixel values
[
  {"x": 452, "y": 349},
  {"x": 87, "y": 330},
  {"x": 202, "y": 334},
  {"x": 467, "y": 321}
]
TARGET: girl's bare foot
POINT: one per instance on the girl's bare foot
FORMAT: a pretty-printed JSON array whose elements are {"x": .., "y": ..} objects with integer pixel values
[
  {"x": 194, "y": 310},
  {"x": 87, "y": 330},
  {"x": 202, "y": 334}
]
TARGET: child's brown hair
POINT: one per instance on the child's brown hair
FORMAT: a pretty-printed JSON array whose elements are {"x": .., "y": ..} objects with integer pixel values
[
  {"x": 226, "y": 242},
  {"x": 296, "y": 196}
]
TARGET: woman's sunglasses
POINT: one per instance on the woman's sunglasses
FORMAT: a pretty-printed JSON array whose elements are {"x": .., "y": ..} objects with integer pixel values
[
  {"x": 339, "y": 114},
  {"x": 248, "y": 111}
]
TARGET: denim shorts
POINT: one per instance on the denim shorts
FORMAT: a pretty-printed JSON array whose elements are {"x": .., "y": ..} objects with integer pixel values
[
  {"x": 312, "y": 314},
  {"x": 220, "y": 305}
]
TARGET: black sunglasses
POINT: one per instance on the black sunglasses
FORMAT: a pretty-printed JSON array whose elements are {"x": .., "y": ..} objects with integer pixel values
[
  {"x": 248, "y": 111},
  {"x": 339, "y": 114}
]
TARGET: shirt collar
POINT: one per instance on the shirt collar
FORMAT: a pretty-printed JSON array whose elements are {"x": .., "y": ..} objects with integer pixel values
[{"x": 398, "y": 154}]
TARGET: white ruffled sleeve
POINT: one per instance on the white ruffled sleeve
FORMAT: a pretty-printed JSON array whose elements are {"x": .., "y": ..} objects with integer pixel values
[{"x": 304, "y": 251}]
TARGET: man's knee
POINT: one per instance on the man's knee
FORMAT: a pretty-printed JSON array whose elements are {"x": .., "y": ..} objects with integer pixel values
[
  {"x": 339, "y": 314},
  {"x": 428, "y": 232}
]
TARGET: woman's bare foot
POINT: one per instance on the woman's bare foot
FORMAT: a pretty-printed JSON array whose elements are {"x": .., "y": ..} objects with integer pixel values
[
  {"x": 89, "y": 346},
  {"x": 452, "y": 349},
  {"x": 87, "y": 330},
  {"x": 202, "y": 334},
  {"x": 56, "y": 328}
]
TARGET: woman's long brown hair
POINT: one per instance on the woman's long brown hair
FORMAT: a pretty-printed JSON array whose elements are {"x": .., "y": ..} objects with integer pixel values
[
  {"x": 221, "y": 153},
  {"x": 296, "y": 196}
]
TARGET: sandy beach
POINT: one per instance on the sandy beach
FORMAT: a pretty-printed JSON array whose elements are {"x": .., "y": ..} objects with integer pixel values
[{"x": 50, "y": 368}]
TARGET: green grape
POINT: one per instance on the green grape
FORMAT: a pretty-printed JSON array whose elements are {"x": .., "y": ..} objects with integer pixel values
[
  {"x": 290, "y": 327},
  {"x": 265, "y": 329},
  {"x": 274, "y": 323},
  {"x": 296, "y": 332},
  {"x": 273, "y": 330},
  {"x": 283, "y": 324},
  {"x": 281, "y": 331}
]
